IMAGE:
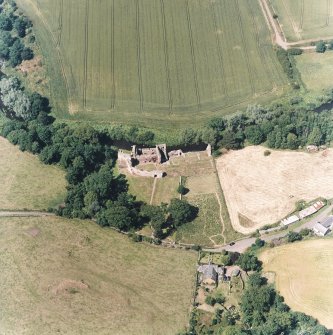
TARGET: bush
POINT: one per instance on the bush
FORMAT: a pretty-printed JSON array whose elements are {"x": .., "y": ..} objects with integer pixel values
[
  {"x": 321, "y": 47},
  {"x": 182, "y": 189},
  {"x": 305, "y": 232},
  {"x": 293, "y": 236},
  {"x": 267, "y": 153},
  {"x": 295, "y": 51},
  {"x": 210, "y": 300}
]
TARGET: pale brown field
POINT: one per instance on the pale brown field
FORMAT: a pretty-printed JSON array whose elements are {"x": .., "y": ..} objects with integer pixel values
[
  {"x": 72, "y": 277},
  {"x": 26, "y": 182},
  {"x": 306, "y": 285},
  {"x": 265, "y": 189}
]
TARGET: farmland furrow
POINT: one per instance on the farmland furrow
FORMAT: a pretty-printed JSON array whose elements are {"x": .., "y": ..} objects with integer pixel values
[
  {"x": 85, "y": 62},
  {"x": 301, "y": 21},
  {"x": 139, "y": 53},
  {"x": 245, "y": 47},
  {"x": 328, "y": 12},
  {"x": 258, "y": 46},
  {"x": 61, "y": 12},
  {"x": 166, "y": 55},
  {"x": 113, "y": 86},
  {"x": 195, "y": 73},
  {"x": 36, "y": 9},
  {"x": 219, "y": 48}
]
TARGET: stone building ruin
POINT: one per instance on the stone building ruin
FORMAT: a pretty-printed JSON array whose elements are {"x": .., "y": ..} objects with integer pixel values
[{"x": 142, "y": 156}]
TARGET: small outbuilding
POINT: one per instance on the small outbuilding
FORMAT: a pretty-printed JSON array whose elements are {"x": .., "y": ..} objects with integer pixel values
[
  {"x": 320, "y": 230},
  {"x": 328, "y": 222}
]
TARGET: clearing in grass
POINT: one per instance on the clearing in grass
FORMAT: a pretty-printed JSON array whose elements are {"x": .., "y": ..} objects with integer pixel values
[
  {"x": 262, "y": 190},
  {"x": 307, "y": 286},
  {"x": 83, "y": 279},
  {"x": 162, "y": 64},
  {"x": 26, "y": 182}
]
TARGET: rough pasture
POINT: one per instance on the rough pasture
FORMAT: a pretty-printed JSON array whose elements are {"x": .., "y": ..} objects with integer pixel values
[
  {"x": 155, "y": 62},
  {"x": 261, "y": 190},
  {"x": 74, "y": 277},
  {"x": 26, "y": 182}
]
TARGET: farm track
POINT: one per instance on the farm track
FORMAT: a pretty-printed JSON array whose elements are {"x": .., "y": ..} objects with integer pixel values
[
  {"x": 139, "y": 54},
  {"x": 85, "y": 62},
  {"x": 113, "y": 94},
  {"x": 166, "y": 56},
  {"x": 221, "y": 218},
  {"x": 61, "y": 13},
  {"x": 301, "y": 21},
  {"x": 258, "y": 46},
  {"x": 195, "y": 72},
  {"x": 292, "y": 22},
  {"x": 218, "y": 43},
  {"x": 249, "y": 70},
  {"x": 7, "y": 214}
]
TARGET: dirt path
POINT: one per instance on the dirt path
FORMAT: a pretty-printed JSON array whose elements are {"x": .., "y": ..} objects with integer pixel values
[
  {"x": 221, "y": 218},
  {"x": 153, "y": 192},
  {"x": 279, "y": 37},
  {"x": 7, "y": 214}
]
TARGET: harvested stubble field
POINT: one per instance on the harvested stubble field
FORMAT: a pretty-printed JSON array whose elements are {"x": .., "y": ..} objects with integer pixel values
[
  {"x": 73, "y": 277},
  {"x": 154, "y": 62},
  {"x": 307, "y": 286},
  {"x": 262, "y": 190},
  {"x": 26, "y": 182},
  {"x": 304, "y": 19}
]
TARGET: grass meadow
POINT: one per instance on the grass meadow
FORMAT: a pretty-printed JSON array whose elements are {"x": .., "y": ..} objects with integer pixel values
[
  {"x": 316, "y": 70},
  {"x": 304, "y": 19},
  {"x": 73, "y": 277},
  {"x": 155, "y": 63},
  {"x": 307, "y": 286},
  {"x": 26, "y": 182}
]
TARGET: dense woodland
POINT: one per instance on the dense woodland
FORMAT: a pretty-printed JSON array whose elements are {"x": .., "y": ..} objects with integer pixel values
[{"x": 96, "y": 191}]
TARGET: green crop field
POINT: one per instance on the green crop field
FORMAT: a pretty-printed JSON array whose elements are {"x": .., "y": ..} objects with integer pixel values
[
  {"x": 305, "y": 19},
  {"x": 155, "y": 63},
  {"x": 73, "y": 277}
]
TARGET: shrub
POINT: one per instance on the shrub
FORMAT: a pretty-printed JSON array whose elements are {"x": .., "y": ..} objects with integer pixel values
[
  {"x": 267, "y": 153},
  {"x": 182, "y": 189},
  {"x": 210, "y": 300},
  {"x": 321, "y": 47},
  {"x": 295, "y": 51},
  {"x": 293, "y": 236}
]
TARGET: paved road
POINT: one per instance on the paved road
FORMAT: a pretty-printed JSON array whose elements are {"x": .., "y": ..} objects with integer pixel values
[
  {"x": 7, "y": 214},
  {"x": 242, "y": 245}
]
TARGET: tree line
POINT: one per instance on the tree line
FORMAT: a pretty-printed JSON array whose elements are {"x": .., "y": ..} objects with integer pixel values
[
  {"x": 94, "y": 189},
  {"x": 13, "y": 29}
]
